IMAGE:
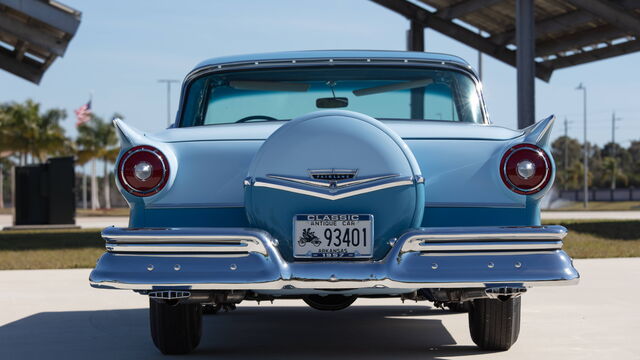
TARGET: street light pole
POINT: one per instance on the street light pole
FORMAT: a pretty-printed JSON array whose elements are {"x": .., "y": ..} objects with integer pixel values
[
  {"x": 168, "y": 82},
  {"x": 586, "y": 145},
  {"x": 613, "y": 150}
]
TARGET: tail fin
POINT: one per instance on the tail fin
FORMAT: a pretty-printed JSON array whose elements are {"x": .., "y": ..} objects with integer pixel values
[
  {"x": 129, "y": 136},
  {"x": 539, "y": 132}
]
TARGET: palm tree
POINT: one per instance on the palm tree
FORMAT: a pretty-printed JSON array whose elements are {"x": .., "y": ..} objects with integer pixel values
[
  {"x": 27, "y": 132},
  {"x": 82, "y": 158},
  {"x": 30, "y": 135},
  {"x": 612, "y": 172},
  {"x": 97, "y": 139},
  {"x": 109, "y": 153}
]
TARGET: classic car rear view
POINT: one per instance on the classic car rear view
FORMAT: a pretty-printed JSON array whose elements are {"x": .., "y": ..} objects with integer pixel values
[{"x": 328, "y": 176}]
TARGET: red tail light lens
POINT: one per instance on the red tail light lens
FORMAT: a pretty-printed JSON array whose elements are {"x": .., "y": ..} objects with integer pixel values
[
  {"x": 143, "y": 170},
  {"x": 525, "y": 169}
]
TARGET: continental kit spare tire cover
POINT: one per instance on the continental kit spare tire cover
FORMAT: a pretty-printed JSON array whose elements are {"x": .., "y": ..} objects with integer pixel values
[{"x": 334, "y": 162}]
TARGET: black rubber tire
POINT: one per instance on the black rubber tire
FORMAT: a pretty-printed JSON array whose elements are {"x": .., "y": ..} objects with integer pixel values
[
  {"x": 175, "y": 329},
  {"x": 329, "y": 302},
  {"x": 494, "y": 324},
  {"x": 460, "y": 307}
]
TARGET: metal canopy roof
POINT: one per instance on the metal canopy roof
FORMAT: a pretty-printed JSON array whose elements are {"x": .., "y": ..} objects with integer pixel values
[
  {"x": 567, "y": 32},
  {"x": 32, "y": 34}
]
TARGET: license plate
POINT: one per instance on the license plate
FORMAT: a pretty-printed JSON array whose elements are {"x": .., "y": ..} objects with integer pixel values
[{"x": 333, "y": 236}]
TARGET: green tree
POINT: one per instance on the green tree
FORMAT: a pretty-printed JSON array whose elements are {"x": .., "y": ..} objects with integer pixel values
[
  {"x": 620, "y": 163},
  {"x": 565, "y": 159},
  {"x": 26, "y": 131},
  {"x": 612, "y": 172},
  {"x": 575, "y": 176},
  {"x": 97, "y": 139},
  {"x": 634, "y": 165}
]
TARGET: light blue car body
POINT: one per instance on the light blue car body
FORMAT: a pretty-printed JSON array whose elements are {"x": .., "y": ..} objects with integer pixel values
[
  {"x": 459, "y": 162},
  {"x": 464, "y": 187}
]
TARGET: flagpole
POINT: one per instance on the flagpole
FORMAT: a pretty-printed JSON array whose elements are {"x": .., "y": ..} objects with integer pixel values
[{"x": 83, "y": 114}]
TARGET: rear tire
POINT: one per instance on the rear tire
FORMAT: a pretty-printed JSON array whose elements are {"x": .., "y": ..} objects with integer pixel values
[
  {"x": 175, "y": 328},
  {"x": 329, "y": 302},
  {"x": 494, "y": 324}
]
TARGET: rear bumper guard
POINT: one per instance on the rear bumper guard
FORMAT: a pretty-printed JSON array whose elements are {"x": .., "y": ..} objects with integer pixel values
[{"x": 248, "y": 259}]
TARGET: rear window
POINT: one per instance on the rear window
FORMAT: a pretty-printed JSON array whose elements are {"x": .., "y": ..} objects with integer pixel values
[{"x": 283, "y": 94}]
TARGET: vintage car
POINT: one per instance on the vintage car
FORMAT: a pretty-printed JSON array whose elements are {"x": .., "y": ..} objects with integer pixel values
[{"x": 327, "y": 176}]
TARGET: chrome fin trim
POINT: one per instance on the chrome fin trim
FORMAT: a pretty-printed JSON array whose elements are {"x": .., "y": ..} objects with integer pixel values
[
  {"x": 185, "y": 240},
  {"x": 333, "y": 193}
]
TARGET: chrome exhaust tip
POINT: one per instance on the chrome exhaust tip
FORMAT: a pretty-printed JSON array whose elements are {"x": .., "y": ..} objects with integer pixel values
[
  {"x": 504, "y": 293},
  {"x": 169, "y": 295}
]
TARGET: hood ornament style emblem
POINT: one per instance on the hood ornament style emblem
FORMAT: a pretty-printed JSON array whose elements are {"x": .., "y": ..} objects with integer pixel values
[{"x": 333, "y": 175}]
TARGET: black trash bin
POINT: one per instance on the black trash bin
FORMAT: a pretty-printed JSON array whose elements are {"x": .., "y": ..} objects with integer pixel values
[{"x": 45, "y": 193}]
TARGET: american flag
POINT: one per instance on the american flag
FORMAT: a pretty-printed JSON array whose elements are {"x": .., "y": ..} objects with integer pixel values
[{"x": 83, "y": 113}]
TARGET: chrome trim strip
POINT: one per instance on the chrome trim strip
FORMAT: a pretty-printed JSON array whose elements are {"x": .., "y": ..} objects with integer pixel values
[
  {"x": 240, "y": 247},
  {"x": 329, "y": 196},
  {"x": 473, "y": 233},
  {"x": 185, "y": 240},
  {"x": 487, "y": 253},
  {"x": 190, "y": 255},
  {"x": 488, "y": 246},
  {"x": 417, "y": 240}
]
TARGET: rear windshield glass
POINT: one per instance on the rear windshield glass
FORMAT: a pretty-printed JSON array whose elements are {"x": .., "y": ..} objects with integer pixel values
[{"x": 283, "y": 94}]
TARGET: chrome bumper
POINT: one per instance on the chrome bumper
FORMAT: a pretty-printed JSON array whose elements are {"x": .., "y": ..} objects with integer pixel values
[{"x": 248, "y": 259}]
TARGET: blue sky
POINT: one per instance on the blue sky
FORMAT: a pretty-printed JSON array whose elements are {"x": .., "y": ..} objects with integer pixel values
[{"x": 123, "y": 47}]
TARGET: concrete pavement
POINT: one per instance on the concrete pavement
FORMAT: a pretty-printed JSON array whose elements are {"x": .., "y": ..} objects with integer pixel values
[
  {"x": 55, "y": 314},
  {"x": 122, "y": 221}
]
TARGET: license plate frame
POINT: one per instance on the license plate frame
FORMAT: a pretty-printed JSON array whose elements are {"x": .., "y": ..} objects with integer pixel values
[{"x": 353, "y": 227}]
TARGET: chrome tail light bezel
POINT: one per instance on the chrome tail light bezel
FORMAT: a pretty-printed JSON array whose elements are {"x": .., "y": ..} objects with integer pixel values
[
  {"x": 157, "y": 156},
  {"x": 542, "y": 156}
]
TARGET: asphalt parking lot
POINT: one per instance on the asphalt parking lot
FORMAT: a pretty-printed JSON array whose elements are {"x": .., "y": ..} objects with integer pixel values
[{"x": 55, "y": 314}]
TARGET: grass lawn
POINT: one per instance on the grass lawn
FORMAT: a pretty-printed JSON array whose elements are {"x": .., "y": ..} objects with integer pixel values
[
  {"x": 601, "y": 238},
  {"x": 67, "y": 249},
  {"x": 103, "y": 212},
  {"x": 87, "y": 212},
  {"x": 50, "y": 249},
  {"x": 600, "y": 206}
]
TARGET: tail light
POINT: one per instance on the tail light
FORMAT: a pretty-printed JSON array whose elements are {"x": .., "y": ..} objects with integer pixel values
[
  {"x": 143, "y": 170},
  {"x": 525, "y": 169}
]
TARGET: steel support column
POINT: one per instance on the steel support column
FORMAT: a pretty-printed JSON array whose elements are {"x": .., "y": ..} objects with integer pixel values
[
  {"x": 415, "y": 37},
  {"x": 525, "y": 62},
  {"x": 415, "y": 42}
]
